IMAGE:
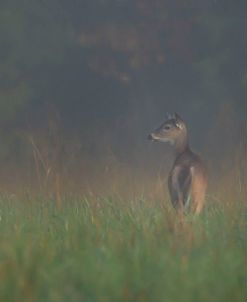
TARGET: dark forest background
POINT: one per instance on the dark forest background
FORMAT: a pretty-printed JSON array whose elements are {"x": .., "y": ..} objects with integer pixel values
[{"x": 82, "y": 82}]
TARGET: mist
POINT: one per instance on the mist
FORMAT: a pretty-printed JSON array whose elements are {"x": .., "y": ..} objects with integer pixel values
[{"x": 84, "y": 82}]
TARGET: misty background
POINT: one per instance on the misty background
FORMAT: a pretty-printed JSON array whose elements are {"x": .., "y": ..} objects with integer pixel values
[{"x": 82, "y": 83}]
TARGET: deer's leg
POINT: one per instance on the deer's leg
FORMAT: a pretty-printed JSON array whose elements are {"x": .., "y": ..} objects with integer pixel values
[
  {"x": 198, "y": 195},
  {"x": 179, "y": 186}
]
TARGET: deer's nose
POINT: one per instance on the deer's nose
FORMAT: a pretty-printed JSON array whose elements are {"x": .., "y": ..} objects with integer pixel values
[{"x": 151, "y": 137}]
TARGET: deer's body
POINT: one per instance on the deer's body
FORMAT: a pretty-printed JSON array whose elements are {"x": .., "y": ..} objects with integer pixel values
[{"x": 187, "y": 179}]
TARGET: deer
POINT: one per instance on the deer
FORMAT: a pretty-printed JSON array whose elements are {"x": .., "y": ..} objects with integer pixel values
[{"x": 187, "y": 180}]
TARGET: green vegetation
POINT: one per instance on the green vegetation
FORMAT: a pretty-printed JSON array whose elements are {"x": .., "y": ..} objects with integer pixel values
[{"x": 120, "y": 250}]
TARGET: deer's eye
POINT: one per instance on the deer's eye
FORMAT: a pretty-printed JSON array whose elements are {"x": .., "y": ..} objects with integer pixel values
[{"x": 167, "y": 127}]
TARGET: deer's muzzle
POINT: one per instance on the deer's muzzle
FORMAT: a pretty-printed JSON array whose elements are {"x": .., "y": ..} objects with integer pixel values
[{"x": 152, "y": 137}]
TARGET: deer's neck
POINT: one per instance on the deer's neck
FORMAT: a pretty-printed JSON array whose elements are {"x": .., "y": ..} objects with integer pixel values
[{"x": 182, "y": 144}]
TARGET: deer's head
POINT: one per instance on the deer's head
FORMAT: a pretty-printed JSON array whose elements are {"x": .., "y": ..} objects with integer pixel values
[{"x": 173, "y": 130}]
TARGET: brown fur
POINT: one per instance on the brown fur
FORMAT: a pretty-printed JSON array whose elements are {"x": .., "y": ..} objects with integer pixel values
[{"x": 188, "y": 176}]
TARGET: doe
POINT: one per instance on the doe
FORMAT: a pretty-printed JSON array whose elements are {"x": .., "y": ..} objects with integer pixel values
[{"x": 187, "y": 179}]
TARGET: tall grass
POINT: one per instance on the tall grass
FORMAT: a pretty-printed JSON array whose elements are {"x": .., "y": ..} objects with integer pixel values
[
  {"x": 110, "y": 249},
  {"x": 128, "y": 246}
]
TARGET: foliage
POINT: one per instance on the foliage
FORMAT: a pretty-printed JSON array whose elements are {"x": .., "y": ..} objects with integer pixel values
[{"x": 54, "y": 51}]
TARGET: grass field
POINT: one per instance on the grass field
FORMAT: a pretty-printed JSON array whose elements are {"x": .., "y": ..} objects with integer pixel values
[{"x": 110, "y": 249}]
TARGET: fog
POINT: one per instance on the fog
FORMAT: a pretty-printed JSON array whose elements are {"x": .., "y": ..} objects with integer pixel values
[{"x": 84, "y": 82}]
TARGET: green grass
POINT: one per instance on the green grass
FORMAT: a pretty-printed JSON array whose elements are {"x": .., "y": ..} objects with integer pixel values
[{"x": 120, "y": 250}]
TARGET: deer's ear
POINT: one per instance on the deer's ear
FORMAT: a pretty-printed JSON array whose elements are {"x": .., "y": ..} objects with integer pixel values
[
  {"x": 178, "y": 117},
  {"x": 179, "y": 125},
  {"x": 169, "y": 116},
  {"x": 178, "y": 121}
]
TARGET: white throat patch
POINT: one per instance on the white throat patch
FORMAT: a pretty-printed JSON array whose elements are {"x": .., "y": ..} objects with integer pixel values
[{"x": 167, "y": 140}]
